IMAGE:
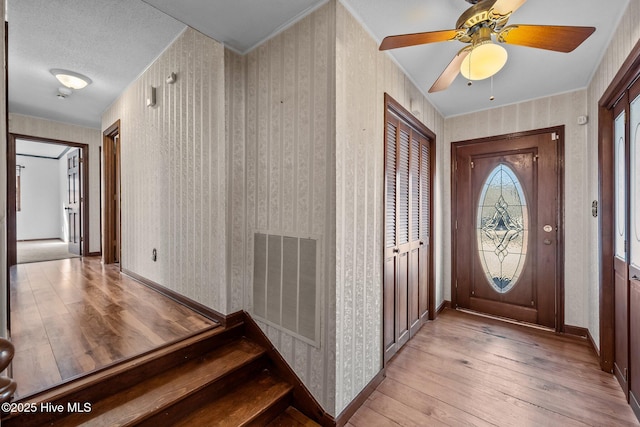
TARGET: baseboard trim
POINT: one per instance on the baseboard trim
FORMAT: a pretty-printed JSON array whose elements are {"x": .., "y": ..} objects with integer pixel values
[
  {"x": 592, "y": 342},
  {"x": 583, "y": 333},
  {"x": 356, "y": 403},
  {"x": 43, "y": 239},
  {"x": 442, "y": 306},
  {"x": 635, "y": 405},
  {"x": 94, "y": 253},
  {"x": 303, "y": 400},
  {"x": 576, "y": 331},
  {"x": 181, "y": 299}
]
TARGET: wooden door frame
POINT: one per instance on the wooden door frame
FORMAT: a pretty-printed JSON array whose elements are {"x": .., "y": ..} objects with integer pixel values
[
  {"x": 392, "y": 105},
  {"x": 628, "y": 73},
  {"x": 12, "y": 232},
  {"x": 560, "y": 326},
  {"x": 109, "y": 179}
]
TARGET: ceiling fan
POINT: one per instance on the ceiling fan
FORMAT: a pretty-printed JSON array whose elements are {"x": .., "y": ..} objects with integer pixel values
[{"x": 483, "y": 58}]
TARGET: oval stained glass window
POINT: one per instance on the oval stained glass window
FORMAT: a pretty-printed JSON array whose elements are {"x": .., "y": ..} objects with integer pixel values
[{"x": 502, "y": 228}]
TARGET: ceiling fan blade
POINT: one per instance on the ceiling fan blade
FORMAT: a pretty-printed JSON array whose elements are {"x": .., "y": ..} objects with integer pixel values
[
  {"x": 405, "y": 40},
  {"x": 550, "y": 37},
  {"x": 505, "y": 7},
  {"x": 451, "y": 72}
]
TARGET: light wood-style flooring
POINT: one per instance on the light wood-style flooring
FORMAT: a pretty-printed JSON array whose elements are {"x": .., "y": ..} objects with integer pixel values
[
  {"x": 466, "y": 370},
  {"x": 74, "y": 316}
]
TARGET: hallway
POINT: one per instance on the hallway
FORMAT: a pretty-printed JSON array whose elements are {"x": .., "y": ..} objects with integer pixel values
[
  {"x": 74, "y": 316},
  {"x": 463, "y": 369}
]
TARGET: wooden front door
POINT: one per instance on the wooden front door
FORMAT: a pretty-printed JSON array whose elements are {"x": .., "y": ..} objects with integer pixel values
[
  {"x": 506, "y": 226},
  {"x": 407, "y": 253},
  {"x": 74, "y": 200}
]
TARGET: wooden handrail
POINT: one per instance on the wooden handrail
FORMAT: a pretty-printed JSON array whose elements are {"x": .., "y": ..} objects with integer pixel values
[{"x": 7, "y": 385}]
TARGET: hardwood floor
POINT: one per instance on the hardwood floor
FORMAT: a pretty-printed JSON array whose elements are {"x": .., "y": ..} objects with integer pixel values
[
  {"x": 74, "y": 316},
  {"x": 463, "y": 369}
]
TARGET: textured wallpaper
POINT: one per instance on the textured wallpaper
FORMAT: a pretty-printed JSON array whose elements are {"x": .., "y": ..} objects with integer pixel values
[
  {"x": 174, "y": 169},
  {"x": 363, "y": 75},
  {"x": 33, "y": 126},
  {"x": 288, "y": 164},
  {"x": 623, "y": 41}
]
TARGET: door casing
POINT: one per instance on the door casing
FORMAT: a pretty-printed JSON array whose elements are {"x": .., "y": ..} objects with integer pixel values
[
  {"x": 559, "y": 291},
  {"x": 111, "y": 179},
  {"x": 12, "y": 250}
]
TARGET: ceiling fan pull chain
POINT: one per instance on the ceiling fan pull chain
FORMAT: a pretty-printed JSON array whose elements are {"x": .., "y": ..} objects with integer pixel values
[
  {"x": 469, "y": 83},
  {"x": 491, "y": 98}
]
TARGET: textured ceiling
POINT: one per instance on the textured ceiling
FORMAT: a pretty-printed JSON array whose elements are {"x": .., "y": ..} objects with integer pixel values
[
  {"x": 113, "y": 41},
  {"x": 239, "y": 24},
  {"x": 110, "y": 41}
]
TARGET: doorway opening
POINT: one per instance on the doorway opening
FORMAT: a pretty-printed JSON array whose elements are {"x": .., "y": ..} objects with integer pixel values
[
  {"x": 111, "y": 237},
  {"x": 507, "y": 234},
  {"x": 48, "y": 201}
]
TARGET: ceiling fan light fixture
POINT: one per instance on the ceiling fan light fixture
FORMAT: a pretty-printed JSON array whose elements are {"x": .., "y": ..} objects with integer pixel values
[
  {"x": 485, "y": 60},
  {"x": 71, "y": 79}
]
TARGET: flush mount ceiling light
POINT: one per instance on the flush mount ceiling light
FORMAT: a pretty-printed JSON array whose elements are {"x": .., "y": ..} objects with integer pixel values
[{"x": 71, "y": 79}]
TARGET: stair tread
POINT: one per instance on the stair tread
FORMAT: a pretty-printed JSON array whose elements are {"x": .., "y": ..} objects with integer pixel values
[
  {"x": 150, "y": 396},
  {"x": 240, "y": 406},
  {"x": 292, "y": 418}
]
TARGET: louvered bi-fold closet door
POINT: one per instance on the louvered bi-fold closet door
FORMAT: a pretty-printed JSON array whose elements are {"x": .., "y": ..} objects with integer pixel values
[{"x": 406, "y": 216}]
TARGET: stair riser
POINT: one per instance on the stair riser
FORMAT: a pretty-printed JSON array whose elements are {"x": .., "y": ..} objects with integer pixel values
[
  {"x": 271, "y": 413},
  {"x": 179, "y": 410}
]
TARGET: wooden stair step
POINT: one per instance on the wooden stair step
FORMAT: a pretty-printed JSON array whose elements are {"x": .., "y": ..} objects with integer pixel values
[
  {"x": 151, "y": 396},
  {"x": 255, "y": 402},
  {"x": 292, "y": 418}
]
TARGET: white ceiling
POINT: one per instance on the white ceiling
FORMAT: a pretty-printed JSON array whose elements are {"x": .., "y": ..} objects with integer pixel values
[
  {"x": 40, "y": 149},
  {"x": 113, "y": 41}
]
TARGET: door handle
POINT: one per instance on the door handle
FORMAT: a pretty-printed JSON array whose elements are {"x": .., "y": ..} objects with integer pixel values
[
  {"x": 635, "y": 277},
  {"x": 67, "y": 208},
  {"x": 421, "y": 243},
  {"x": 547, "y": 241},
  {"x": 396, "y": 250}
]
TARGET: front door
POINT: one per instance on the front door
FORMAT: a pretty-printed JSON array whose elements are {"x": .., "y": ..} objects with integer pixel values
[
  {"x": 74, "y": 199},
  {"x": 506, "y": 210}
]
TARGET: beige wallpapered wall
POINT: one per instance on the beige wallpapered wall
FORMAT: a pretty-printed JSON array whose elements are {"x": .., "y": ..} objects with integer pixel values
[
  {"x": 33, "y": 126},
  {"x": 363, "y": 75},
  {"x": 174, "y": 171},
  {"x": 623, "y": 41},
  {"x": 281, "y": 133}
]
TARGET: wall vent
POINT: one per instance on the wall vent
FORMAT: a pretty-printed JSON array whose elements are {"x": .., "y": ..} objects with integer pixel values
[{"x": 285, "y": 278}]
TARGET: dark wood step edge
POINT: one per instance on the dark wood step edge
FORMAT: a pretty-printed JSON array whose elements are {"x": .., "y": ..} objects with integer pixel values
[
  {"x": 216, "y": 393},
  {"x": 183, "y": 399},
  {"x": 115, "y": 378},
  {"x": 302, "y": 399},
  {"x": 171, "y": 414}
]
